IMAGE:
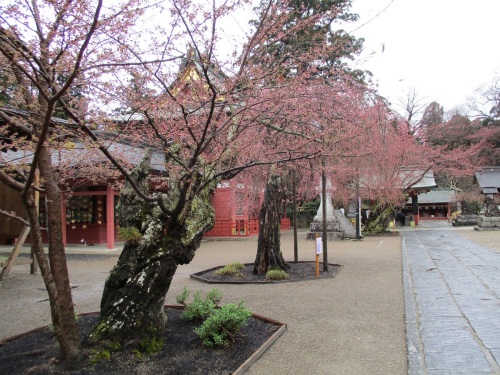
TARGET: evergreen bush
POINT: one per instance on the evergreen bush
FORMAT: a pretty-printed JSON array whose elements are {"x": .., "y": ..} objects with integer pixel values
[
  {"x": 199, "y": 308},
  {"x": 220, "y": 324},
  {"x": 277, "y": 274},
  {"x": 219, "y": 328},
  {"x": 233, "y": 269}
]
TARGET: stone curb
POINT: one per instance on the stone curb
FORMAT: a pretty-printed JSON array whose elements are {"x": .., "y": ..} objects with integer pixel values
[
  {"x": 198, "y": 276},
  {"x": 415, "y": 360}
]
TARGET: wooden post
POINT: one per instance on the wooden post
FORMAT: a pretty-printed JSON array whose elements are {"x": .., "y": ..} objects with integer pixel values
[
  {"x": 15, "y": 252},
  {"x": 317, "y": 250},
  {"x": 34, "y": 264},
  {"x": 317, "y": 265}
]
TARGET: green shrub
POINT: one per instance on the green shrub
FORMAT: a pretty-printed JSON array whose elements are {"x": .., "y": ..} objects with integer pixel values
[
  {"x": 181, "y": 298},
  {"x": 214, "y": 295},
  {"x": 221, "y": 326},
  {"x": 237, "y": 265},
  {"x": 277, "y": 274},
  {"x": 200, "y": 308},
  {"x": 229, "y": 270}
]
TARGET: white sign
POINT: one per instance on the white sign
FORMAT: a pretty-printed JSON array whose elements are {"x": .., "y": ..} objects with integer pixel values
[{"x": 319, "y": 245}]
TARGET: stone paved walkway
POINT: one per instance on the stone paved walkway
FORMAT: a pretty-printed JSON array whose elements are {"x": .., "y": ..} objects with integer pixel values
[{"x": 452, "y": 303}]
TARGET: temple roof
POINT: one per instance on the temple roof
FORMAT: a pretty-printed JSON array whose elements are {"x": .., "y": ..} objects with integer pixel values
[
  {"x": 192, "y": 68},
  {"x": 417, "y": 180},
  {"x": 75, "y": 153},
  {"x": 488, "y": 179},
  {"x": 436, "y": 196}
]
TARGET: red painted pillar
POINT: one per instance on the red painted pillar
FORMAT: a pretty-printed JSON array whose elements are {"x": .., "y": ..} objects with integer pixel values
[
  {"x": 110, "y": 218},
  {"x": 63, "y": 219}
]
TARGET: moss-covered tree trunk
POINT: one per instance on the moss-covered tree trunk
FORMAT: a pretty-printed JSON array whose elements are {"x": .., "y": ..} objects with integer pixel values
[
  {"x": 134, "y": 294},
  {"x": 380, "y": 215},
  {"x": 269, "y": 253},
  {"x": 156, "y": 243}
]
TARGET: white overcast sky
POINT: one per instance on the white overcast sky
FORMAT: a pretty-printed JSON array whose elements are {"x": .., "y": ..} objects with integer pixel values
[{"x": 444, "y": 49}]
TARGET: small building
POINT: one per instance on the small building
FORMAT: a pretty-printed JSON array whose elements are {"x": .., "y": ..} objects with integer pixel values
[
  {"x": 436, "y": 204},
  {"x": 88, "y": 205},
  {"x": 488, "y": 179},
  {"x": 419, "y": 183}
]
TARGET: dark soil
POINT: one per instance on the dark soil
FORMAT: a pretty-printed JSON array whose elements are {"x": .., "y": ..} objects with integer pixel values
[
  {"x": 183, "y": 353},
  {"x": 298, "y": 272}
]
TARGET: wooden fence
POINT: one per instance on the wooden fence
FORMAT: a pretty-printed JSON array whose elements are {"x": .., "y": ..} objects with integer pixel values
[{"x": 236, "y": 228}]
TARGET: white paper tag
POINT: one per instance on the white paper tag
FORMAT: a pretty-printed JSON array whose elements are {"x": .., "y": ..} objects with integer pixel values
[{"x": 319, "y": 245}]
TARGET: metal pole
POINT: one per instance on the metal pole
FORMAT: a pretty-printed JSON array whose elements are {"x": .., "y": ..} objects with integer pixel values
[
  {"x": 325, "y": 233},
  {"x": 295, "y": 242},
  {"x": 358, "y": 208},
  {"x": 358, "y": 219}
]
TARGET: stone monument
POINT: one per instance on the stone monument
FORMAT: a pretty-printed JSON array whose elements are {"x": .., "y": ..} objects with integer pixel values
[
  {"x": 338, "y": 226},
  {"x": 466, "y": 216},
  {"x": 491, "y": 219}
]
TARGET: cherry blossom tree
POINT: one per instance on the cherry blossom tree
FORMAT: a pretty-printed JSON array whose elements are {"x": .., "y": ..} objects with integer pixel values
[
  {"x": 388, "y": 159},
  {"x": 212, "y": 126},
  {"x": 330, "y": 108},
  {"x": 52, "y": 51},
  {"x": 44, "y": 46},
  {"x": 317, "y": 52}
]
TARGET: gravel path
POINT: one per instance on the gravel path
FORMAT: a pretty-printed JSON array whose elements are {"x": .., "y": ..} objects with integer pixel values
[{"x": 350, "y": 324}]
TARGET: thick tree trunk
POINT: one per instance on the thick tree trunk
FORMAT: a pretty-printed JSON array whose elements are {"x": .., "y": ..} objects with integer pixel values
[
  {"x": 132, "y": 303},
  {"x": 63, "y": 314},
  {"x": 269, "y": 254},
  {"x": 380, "y": 215}
]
